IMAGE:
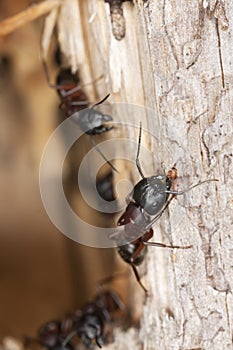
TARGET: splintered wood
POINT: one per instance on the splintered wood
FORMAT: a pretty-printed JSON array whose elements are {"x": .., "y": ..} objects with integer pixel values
[{"x": 30, "y": 14}]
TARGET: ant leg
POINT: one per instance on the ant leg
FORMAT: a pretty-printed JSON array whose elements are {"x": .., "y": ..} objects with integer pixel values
[
  {"x": 162, "y": 245},
  {"x": 102, "y": 155},
  {"x": 69, "y": 92},
  {"x": 74, "y": 103},
  {"x": 78, "y": 103},
  {"x": 137, "y": 157},
  {"x": 99, "y": 341},
  {"x": 46, "y": 72},
  {"x": 140, "y": 247},
  {"x": 110, "y": 299},
  {"x": 78, "y": 87},
  {"x": 138, "y": 278},
  {"x": 68, "y": 338},
  {"x": 72, "y": 91},
  {"x": 118, "y": 301},
  {"x": 149, "y": 234}
]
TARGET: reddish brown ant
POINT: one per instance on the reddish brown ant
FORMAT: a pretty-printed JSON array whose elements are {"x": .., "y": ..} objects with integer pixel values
[{"x": 147, "y": 202}]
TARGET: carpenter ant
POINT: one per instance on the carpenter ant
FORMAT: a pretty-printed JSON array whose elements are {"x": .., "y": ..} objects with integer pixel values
[
  {"x": 92, "y": 320},
  {"x": 74, "y": 104},
  {"x": 117, "y": 18},
  {"x": 147, "y": 202},
  {"x": 92, "y": 122}
]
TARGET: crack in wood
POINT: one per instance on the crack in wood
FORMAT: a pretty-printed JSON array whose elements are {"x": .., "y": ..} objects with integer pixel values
[
  {"x": 206, "y": 147},
  {"x": 220, "y": 53},
  {"x": 214, "y": 273}
]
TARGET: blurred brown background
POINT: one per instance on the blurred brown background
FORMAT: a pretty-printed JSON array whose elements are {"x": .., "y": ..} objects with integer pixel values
[{"x": 43, "y": 275}]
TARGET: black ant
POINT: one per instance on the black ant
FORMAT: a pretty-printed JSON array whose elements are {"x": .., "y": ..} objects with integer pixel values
[
  {"x": 117, "y": 18},
  {"x": 74, "y": 104},
  {"x": 150, "y": 197},
  {"x": 92, "y": 320}
]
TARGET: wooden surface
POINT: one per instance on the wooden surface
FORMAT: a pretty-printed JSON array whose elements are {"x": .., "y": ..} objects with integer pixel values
[{"x": 176, "y": 58}]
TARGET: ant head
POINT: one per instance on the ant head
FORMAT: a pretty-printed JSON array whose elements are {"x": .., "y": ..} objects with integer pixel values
[
  {"x": 90, "y": 119},
  {"x": 89, "y": 329},
  {"x": 151, "y": 193}
]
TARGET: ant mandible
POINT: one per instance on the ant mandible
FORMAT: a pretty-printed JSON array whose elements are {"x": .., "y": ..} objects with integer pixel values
[{"x": 150, "y": 197}]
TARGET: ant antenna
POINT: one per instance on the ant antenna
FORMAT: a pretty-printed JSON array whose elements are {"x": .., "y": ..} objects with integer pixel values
[
  {"x": 101, "y": 153},
  {"x": 174, "y": 193},
  {"x": 137, "y": 157},
  {"x": 46, "y": 71},
  {"x": 190, "y": 188},
  {"x": 102, "y": 101}
]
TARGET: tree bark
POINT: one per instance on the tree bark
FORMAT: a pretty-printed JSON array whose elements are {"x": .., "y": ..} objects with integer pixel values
[{"x": 176, "y": 59}]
